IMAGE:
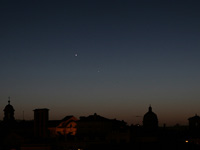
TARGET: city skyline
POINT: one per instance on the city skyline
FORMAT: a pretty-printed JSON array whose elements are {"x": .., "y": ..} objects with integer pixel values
[
  {"x": 113, "y": 58},
  {"x": 136, "y": 121}
]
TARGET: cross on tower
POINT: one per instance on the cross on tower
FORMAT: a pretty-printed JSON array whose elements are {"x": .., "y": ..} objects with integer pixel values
[{"x": 9, "y": 100}]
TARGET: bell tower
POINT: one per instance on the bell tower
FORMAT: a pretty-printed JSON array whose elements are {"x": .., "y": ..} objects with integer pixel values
[{"x": 9, "y": 112}]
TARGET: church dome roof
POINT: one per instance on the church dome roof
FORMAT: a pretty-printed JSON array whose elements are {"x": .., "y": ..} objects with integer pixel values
[
  {"x": 9, "y": 107},
  {"x": 150, "y": 115},
  {"x": 150, "y": 119}
]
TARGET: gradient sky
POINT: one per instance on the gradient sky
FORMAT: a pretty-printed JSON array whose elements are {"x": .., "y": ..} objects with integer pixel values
[{"x": 130, "y": 54}]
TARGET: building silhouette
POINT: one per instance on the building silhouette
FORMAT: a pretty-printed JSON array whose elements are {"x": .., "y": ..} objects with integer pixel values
[
  {"x": 9, "y": 113},
  {"x": 63, "y": 128},
  {"x": 94, "y": 132},
  {"x": 194, "y": 126},
  {"x": 97, "y": 131},
  {"x": 150, "y": 121},
  {"x": 41, "y": 118},
  {"x": 194, "y": 122}
]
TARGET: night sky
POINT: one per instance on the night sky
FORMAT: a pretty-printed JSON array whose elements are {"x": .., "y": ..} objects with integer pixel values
[{"x": 112, "y": 57}]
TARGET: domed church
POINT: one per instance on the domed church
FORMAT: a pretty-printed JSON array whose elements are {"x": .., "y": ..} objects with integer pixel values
[
  {"x": 9, "y": 113},
  {"x": 150, "y": 120}
]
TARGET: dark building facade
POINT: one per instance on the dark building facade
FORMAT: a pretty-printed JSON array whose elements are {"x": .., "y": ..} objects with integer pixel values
[
  {"x": 194, "y": 122},
  {"x": 41, "y": 117},
  {"x": 194, "y": 126},
  {"x": 97, "y": 131}
]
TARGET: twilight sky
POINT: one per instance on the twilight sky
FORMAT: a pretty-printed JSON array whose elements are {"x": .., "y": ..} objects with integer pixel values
[{"x": 112, "y": 57}]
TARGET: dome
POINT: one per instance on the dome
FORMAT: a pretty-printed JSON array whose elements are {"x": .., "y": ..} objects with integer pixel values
[
  {"x": 150, "y": 119},
  {"x": 9, "y": 108},
  {"x": 9, "y": 112}
]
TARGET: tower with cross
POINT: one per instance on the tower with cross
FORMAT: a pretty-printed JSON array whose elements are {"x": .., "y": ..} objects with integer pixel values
[{"x": 9, "y": 112}]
